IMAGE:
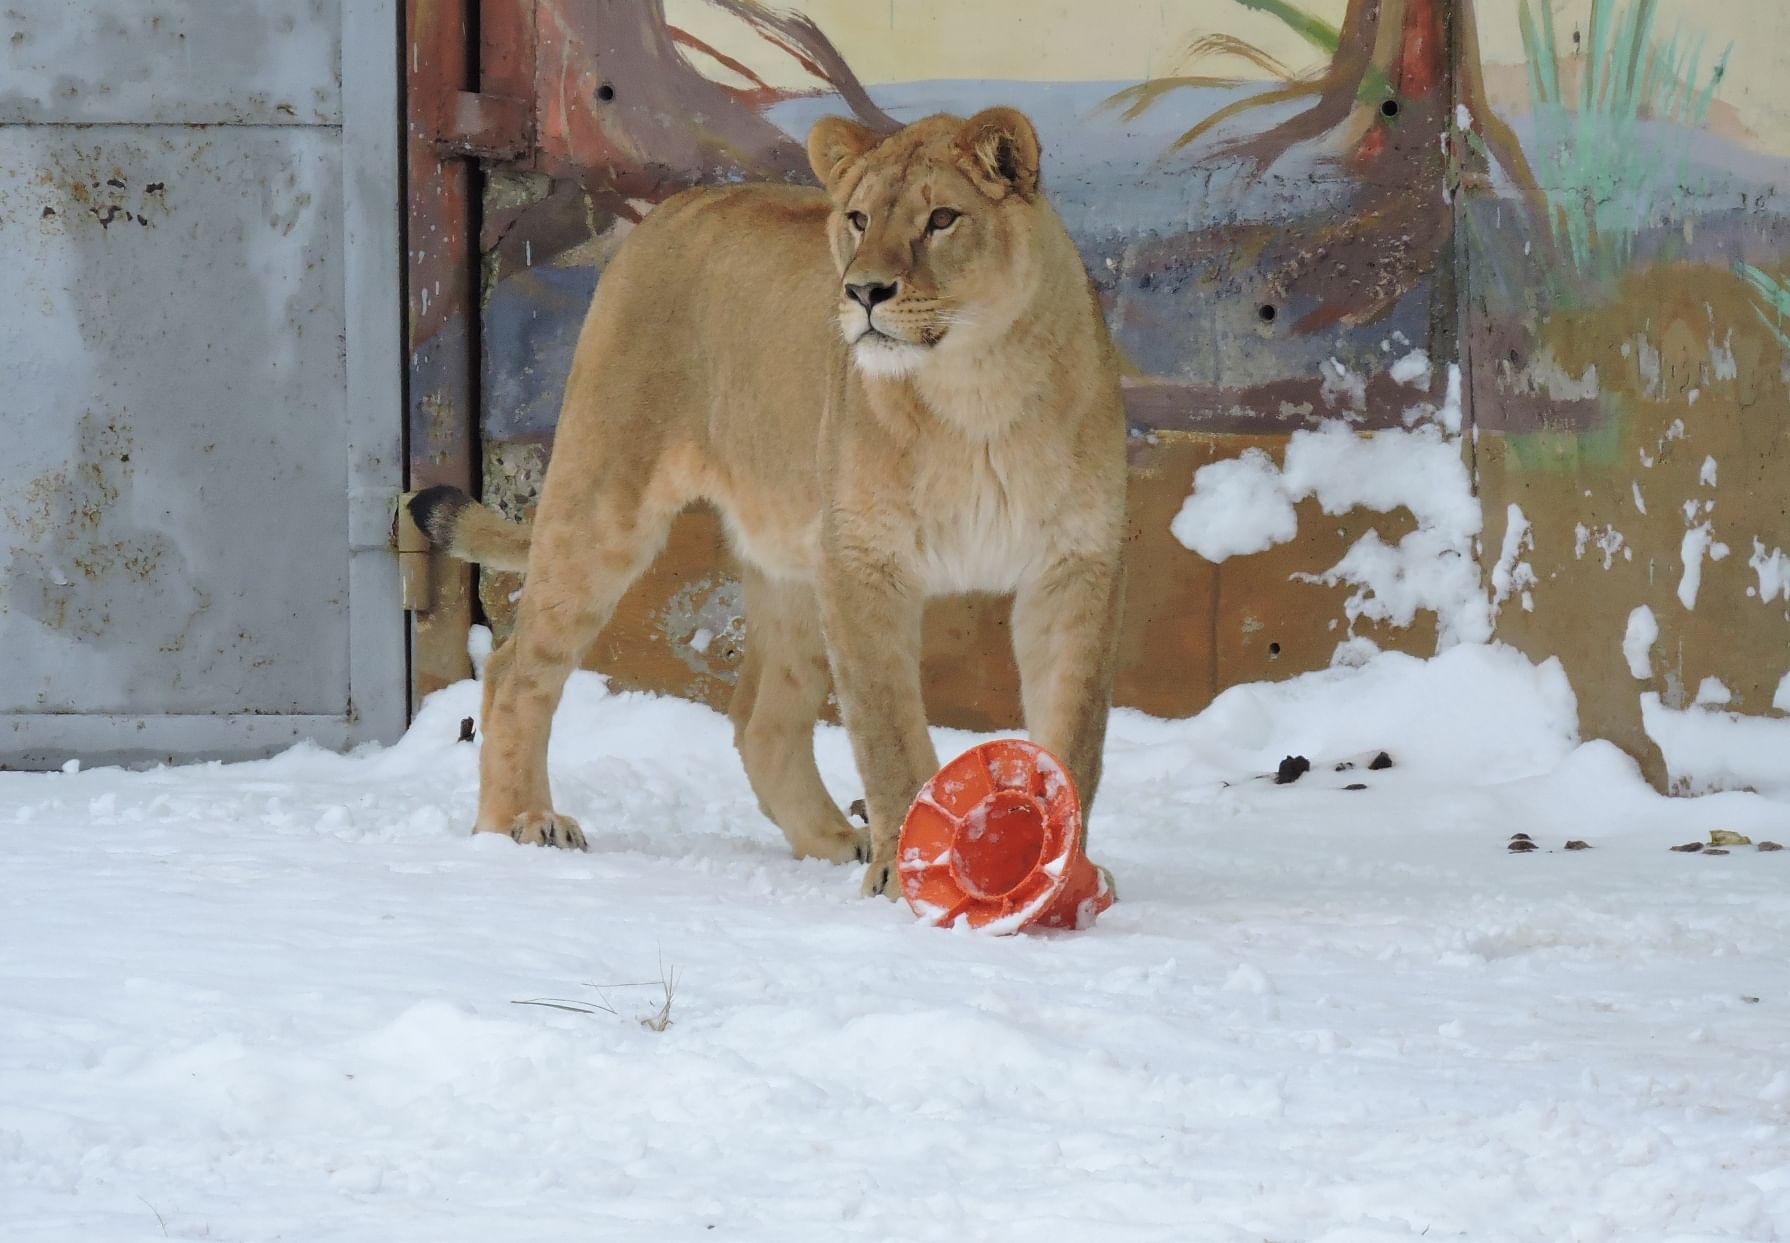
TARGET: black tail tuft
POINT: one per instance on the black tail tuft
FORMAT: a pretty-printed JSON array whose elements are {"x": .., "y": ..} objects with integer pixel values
[{"x": 436, "y": 510}]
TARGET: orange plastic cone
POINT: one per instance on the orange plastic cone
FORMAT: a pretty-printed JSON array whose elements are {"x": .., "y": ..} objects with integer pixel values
[{"x": 995, "y": 838}]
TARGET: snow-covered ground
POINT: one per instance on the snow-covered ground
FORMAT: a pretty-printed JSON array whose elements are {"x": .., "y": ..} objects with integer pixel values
[{"x": 274, "y": 1000}]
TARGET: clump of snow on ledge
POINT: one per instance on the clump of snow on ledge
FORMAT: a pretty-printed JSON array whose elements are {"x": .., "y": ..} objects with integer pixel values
[
  {"x": 1413, "y": 369},
  {"x": 1510, "y": 574},
  {"x": 479, "y": 643},
  {"x": 1238, "y": 506},
  {"x": 1698, "y": 541},
  {"x": 1713, "y": 692},
  {"x": 1246, "y": 505},
  {"x": 1450, "y": 414},
  {"x": 1638, "y": 641},
  {"x": 1431, "y": 568},
  {"x": 1773, "y": 569}
]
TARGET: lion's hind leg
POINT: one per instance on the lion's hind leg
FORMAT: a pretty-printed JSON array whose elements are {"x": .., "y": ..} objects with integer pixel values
[
  {"x": 592, "y": 539},
  {"x": 777, "y": 701}
]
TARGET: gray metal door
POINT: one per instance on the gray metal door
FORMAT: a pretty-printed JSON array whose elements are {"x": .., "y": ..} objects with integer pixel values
[{"x": 200, "y": 377}]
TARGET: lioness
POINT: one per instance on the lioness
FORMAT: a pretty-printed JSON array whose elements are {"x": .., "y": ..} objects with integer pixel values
[{"x": 896, "y": 387}]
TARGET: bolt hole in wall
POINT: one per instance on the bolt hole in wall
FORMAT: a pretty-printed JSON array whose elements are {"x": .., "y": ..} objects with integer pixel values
[
  {"x": 605, "y": 92},
  {"x": 1273, "y": 651},
  {"x": 1267, "y": 312},
  {"x": 1389, "y": 108}
]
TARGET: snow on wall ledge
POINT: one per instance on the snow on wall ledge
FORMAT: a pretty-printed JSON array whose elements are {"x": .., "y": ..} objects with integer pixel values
[
  {"x": 1245, "y": 505},
  {"x": 1638, "y": 640}
]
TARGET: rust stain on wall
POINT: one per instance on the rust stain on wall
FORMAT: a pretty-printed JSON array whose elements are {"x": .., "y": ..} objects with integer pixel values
[{"x": 78, "y": 534}]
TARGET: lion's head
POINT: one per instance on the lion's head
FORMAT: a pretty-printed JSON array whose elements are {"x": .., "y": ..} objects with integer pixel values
[{"x": 934, "y": 231}]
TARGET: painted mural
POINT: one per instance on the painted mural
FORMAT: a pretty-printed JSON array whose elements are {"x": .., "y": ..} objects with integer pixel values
[
  {"x": 1286, "y": 207},
  {"x": 1227, "y": 314},
  {"x": 1627, "y": 372}
]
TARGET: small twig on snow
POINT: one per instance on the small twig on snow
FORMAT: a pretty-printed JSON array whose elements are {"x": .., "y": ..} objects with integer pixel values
[
  {"x": 560, "y": 1003},
  {"x": 668, "y": 981},
  {"x": 158, "y": 1217}
]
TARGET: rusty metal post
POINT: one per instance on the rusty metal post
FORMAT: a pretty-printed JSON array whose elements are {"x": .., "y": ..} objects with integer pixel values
[
  {"x": 441, "y": 314},
  {"x": 507, "y": 63}
]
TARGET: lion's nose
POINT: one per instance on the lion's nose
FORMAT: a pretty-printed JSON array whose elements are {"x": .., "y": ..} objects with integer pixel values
[{"x": 869, "y": 294}]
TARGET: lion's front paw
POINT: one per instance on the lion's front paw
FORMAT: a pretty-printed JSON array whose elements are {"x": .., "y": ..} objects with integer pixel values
[
  {"x": 882, "y": 876},
  {"x": 843, "y": 846},
  {"x": 547, "y": 828}
]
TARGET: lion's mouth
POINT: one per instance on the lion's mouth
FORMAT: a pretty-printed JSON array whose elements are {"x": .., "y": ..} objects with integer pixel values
[
  {"x": 880, "y": 349},
  {"x": 926, "y": 338}
]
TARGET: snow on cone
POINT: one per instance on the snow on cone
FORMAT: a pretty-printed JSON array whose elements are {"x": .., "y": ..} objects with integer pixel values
[{"x": 995, "y": 838}]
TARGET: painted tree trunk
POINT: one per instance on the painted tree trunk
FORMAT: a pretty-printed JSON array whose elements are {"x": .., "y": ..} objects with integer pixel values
[
  {"x": 624, "y": 109},
  {"x": 1403, "y": 93}
]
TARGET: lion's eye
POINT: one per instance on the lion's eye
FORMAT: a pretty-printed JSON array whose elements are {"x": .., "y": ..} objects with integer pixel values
[
  {"x": 857, "y": 220},
  {"x": 942, "y": 218}
]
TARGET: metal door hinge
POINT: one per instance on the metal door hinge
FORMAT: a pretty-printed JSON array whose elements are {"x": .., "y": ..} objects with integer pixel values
[{"x": 416, "y": 576}]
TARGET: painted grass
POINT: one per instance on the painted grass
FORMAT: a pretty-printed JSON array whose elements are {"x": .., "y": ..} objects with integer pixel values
[
  {"x": 1605, "y": 179},
  {"x": 1772, "y": 299}
]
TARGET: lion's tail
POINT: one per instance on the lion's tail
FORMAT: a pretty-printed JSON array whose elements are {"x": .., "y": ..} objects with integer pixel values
[{"x": 463, "y": 528}]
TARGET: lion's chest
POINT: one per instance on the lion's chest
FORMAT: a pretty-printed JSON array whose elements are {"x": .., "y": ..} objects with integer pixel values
[{"x": 980, "y": 524}]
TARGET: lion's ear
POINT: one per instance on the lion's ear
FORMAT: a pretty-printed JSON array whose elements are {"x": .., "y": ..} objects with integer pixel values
[
  {"x": 835, "y": 142},
  {"x": 1002, "y": 150}
]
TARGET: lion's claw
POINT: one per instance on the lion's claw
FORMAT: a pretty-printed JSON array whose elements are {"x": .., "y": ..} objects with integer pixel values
[{"x": 547, "y": 828}]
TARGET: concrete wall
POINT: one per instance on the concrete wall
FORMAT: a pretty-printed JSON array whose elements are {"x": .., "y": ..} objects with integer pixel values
[{"x": 1630, "y": 384}]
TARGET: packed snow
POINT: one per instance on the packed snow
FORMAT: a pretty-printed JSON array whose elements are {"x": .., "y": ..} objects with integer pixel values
[
  {"x": 1607, "y": 540},
  {"x": 276, "y": 1000},
  {"x": 1709, "y": 748},
  {"x": 1341, "y": 387},
  {"x": 1638, "y": 640},
  {"x": 1451, "y": 413},
  {"x": 1698, "y": 541},
  {"x": 1413, "y": 368},
  {"x": 1773, "y": 570},
  {"x": 1713, "y": 692},
  {"x": 1238, "y": 506},
  {"x": 1510, "y": 574},
  {"x": 1245, "y": 505}
]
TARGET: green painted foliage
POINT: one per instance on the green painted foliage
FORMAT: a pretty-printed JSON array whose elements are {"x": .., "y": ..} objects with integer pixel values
[
  {"x": 1313, "y": 29},
  {"x": 1772, "y": 300},
  {"x": 1613, "y": 154}
]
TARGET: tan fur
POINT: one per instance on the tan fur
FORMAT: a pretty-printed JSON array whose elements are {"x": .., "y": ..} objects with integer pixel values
[
  {"x": 488, "y": 538},
  {"x": 977, "y": 444}
]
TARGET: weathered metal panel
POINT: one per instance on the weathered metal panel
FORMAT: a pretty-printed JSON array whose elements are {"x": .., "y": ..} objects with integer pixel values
[
  {"x": 373, "y": 284},
  {"x": 202, "y": 393},
  {"x": 175, "y": 538},
  {"x": 212, "y": 62}
]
